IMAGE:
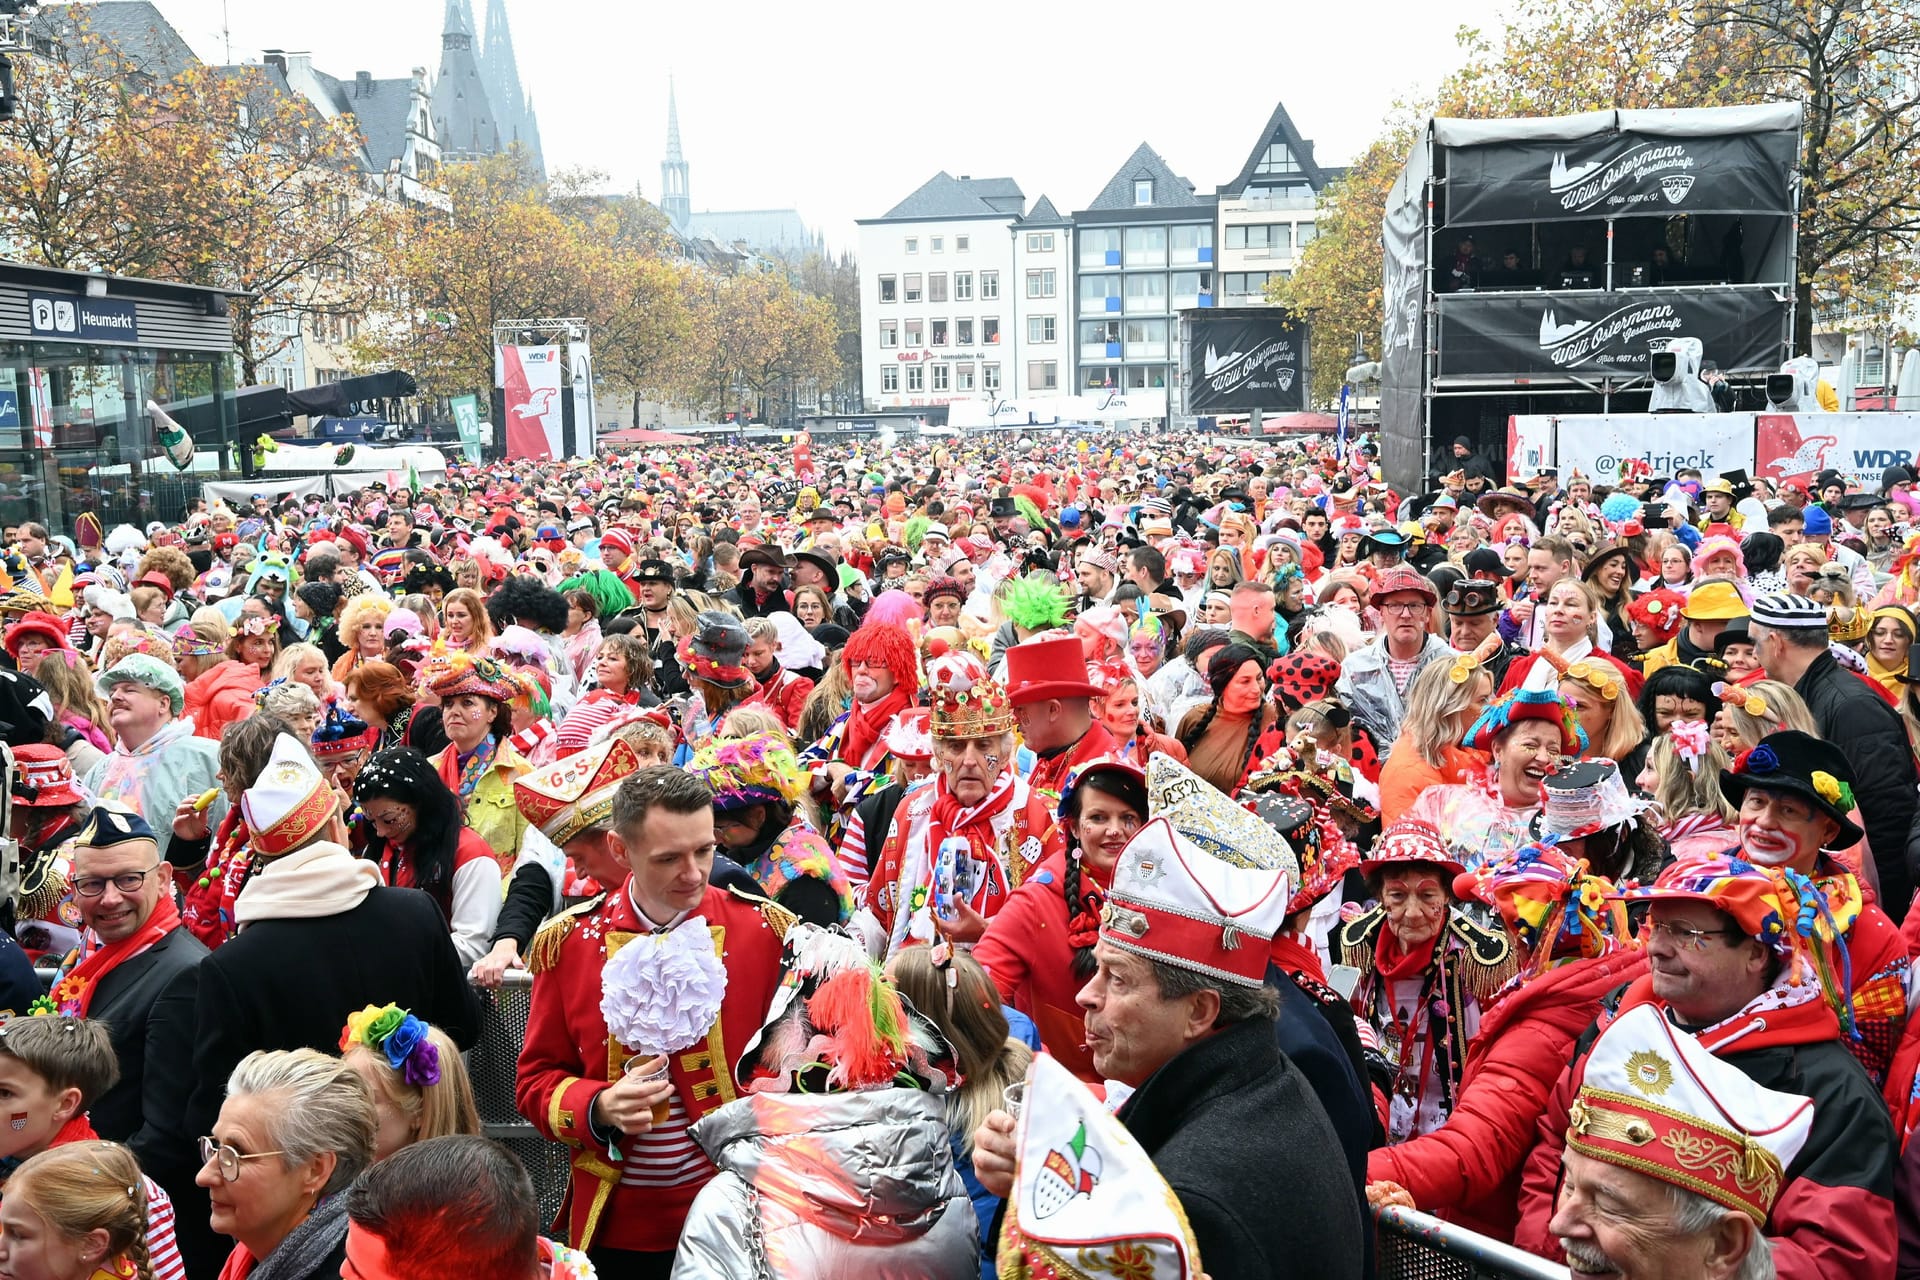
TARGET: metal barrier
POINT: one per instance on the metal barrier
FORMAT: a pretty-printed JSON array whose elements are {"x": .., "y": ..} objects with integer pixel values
[
  {"x": 1418, "y": 1246},
  {"x": 492, "y": 1064}
]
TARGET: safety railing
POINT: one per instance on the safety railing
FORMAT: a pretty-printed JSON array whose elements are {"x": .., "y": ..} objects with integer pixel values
[
  {"x": 1418, "y": 1246},
  {"x": 492, "y": 1064}
]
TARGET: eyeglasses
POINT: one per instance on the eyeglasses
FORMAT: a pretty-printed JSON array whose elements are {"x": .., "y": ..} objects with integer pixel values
[
  {"x": 1405, "y": 607},
  {"x": 1684, "y": 938},
  {"x": 229, "y": 1159},
  {"x": 125, "y": 882}
]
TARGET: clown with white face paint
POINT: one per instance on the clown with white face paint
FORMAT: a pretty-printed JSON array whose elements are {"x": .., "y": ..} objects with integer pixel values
[{"x": 1794, "y": 796}]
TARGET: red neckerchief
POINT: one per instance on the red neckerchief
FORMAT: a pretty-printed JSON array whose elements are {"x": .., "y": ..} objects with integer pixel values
[
  {"x": 73, "y": 992},
  {"x": 1393, "y": 962},
  {"x": 866, "y": 721},
  {"x": 1299, "y": 959}
]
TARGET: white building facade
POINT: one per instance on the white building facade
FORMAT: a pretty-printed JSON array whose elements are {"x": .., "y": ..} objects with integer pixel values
[
  {"x": 962, "y": 296},
  {"x": 1266, "y": 213}
]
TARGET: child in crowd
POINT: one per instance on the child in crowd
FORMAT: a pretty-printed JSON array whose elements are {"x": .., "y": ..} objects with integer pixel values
[
  {"x": 77, "y": 1212},
  {"x": 416, "y": 1075},
  {"x": 52, "y": 1067}
]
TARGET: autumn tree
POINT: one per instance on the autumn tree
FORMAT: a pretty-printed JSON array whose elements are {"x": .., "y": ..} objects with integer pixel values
[{"x": 755, "y": 333}]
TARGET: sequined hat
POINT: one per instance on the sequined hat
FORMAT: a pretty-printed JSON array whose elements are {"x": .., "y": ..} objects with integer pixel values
[
  {"x": 290, "y": 803},
  {"x": 1654, "y": 1100},
  {"x": 567, "y": 797},
  {"x": 1204, "y": 885},
  {"x": 963, "y": 699}
]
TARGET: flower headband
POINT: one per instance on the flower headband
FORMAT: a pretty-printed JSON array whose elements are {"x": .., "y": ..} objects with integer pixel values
[
  {"x": 1746, "y": 699},
  {"x": 254, "y": 626},
  {"x": 400, "y": 1037}
]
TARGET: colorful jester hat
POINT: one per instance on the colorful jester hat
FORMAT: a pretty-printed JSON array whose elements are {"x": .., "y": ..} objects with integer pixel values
[
  {"x": 758, "y": 769},
  {"x": 1087, "y": 1199},
  {"x": 1521, "y": 705},
  {"x": 1558, "y": 909}
]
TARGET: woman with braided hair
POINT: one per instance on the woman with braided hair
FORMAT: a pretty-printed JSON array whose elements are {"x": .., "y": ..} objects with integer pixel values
[
  {"x": 1039, "y": 948},
  {"x": 1219, "y": 737},
  {"x": 77, "y": 1212}
]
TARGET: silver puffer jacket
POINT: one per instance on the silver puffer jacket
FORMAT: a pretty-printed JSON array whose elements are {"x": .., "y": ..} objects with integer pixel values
[{"x": 830, "y": 1186}]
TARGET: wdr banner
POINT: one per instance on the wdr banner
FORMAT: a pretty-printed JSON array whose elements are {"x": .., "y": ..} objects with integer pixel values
[{"x": 530, "y": 391}]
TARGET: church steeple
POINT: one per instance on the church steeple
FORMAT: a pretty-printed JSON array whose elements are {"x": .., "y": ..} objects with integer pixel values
[
  {"x": 512, "y": 106},
  {"x": 674, "y": 200}
]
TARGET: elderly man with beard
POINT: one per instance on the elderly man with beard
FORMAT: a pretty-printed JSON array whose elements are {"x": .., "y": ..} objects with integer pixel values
[
  {"x": 1373, "y": 681},
  {"x": 1179, "y": 1014},
  {"x": 955, "y": 850},
  {"x": 1637, "y": 1208},
  {"x": 1727, "y": 966}
]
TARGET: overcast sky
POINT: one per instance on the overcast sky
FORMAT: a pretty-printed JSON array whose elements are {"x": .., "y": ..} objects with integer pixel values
[{"x": 840, "y": 109}]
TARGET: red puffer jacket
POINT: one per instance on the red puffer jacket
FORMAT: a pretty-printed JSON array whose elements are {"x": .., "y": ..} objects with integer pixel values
[
  {"x": 217, "y": 698},
  {"x": 1468, "y": 1170}
]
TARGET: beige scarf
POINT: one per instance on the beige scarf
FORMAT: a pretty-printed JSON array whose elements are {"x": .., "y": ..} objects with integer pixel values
[{"x": 322, "y": 879}]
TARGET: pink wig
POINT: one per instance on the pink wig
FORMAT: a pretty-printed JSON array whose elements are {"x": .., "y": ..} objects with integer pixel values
[{"x": 1718, "y": 545}]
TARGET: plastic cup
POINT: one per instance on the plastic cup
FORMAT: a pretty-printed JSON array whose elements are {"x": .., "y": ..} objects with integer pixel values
[
  {"x": 1014, "y": 1097},
  {"x": 651, "y": 1066}
]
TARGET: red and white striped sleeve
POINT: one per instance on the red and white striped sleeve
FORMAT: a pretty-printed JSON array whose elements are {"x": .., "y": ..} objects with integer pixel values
[{"x": 163, "y": 1254}]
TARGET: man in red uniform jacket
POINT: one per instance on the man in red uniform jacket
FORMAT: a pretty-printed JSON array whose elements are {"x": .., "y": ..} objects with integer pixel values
[
  {"x": 634, "y": 1178},
  {"x": 1053, "y": 705},
  {"x": 1756, "y": 1005}
]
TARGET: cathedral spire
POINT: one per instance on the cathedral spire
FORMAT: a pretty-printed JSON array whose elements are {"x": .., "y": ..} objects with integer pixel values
[{"x": 674, "y": 200}]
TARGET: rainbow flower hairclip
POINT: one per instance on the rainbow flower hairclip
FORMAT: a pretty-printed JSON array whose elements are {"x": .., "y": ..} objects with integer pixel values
[{"x": 399, "y": 1037}]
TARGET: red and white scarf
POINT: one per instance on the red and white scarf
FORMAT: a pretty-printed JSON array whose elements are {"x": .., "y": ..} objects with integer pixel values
[{"x": 93, "y": 960}]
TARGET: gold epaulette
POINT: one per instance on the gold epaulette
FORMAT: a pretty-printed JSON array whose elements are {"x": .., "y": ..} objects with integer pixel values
[
  {"x": 1492, "y": 961},
  {"x": 1354, "y": 941},
  {"x": 778, "y": 918},
  {"x": 544, "y": 952}
]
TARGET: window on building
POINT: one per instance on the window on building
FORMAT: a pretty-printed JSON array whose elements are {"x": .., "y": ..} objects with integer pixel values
[
  {"x": 916, "y": 378},
  {"x": 1141, "y": 378},
  {"x": 913, "y": 244},
  {"x": 939, "y": 333},
  {"x": 989, "y": 377},
  {"x": 939, "y": 244},
  {"x": 940, "y": 376},
  {"x": 1097, "y": 333},
  {"x": 1280, "y": 238},
  {"x": 913, "y": 286},
  {"x": 1146, "y": 339},
  {"x": 1241, "y": 284},
  {"x": 1191, "y": 244},
  {"x": 990, "y": 330},
  {"x": 989, "y": 285},
  {"x": 1146, "y": 246},
  {"x": 1040, "y": 329},
  {"x": 889, "y": 333},
  {"x": 1189, "y": 287},
  {"x": 888, "y": 290},
  {"x": 1303, "y": 234},
  {"x": 890, "y": 377},
  {"x": 937, "y": 287},
  {"x": 1100, "y": 247},
  {"x": 960, "y": 244},
  {"x": 1040, "y": 242},
  {"x": 1040, "y": 284},
  {"x": 914, "y": 333},
  {"x": 1096, "y": 291},
  {"x": 963, "y": 286},
  {"x": 963, "y": 333},
  {"x": 1043, "y": 375},
  {"x": 963, "y": 377},
  {"x": 1146, "y": 293},
  {"x": 1278, "y": 160},
  {"x": 1143, "y": 190}
]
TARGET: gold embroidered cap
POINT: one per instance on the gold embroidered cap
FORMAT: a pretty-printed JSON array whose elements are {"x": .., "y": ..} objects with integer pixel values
[{"x": 1653, "y": 1100}]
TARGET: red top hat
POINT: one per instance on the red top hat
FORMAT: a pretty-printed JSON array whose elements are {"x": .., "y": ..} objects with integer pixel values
[{"x": 1040, "y": 669}]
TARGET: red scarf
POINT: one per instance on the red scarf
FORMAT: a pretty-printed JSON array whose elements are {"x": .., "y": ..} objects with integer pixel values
[
  {"x": 73, "y": 990},
  {"x": 1297, "y": 958},
  {"x": 866, "y": 722},
  {"x": 1394, "y": 962}
]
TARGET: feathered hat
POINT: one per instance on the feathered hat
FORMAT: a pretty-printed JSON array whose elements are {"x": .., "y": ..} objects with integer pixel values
[{"x": 758, "y": 769}]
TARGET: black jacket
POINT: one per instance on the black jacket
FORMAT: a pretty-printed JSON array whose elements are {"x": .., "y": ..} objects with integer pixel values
[
  {"x": 147, "y": 1004},
  {"x": 1870, "y": 734},
  {"x": 742, "y": 597},
  {"x": 1238, "y": 1134}
]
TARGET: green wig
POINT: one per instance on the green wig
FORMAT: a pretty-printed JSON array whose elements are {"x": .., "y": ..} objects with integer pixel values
[
  {"x": 610, "y": 595},
  {"x": 1034, "y": 603}
]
